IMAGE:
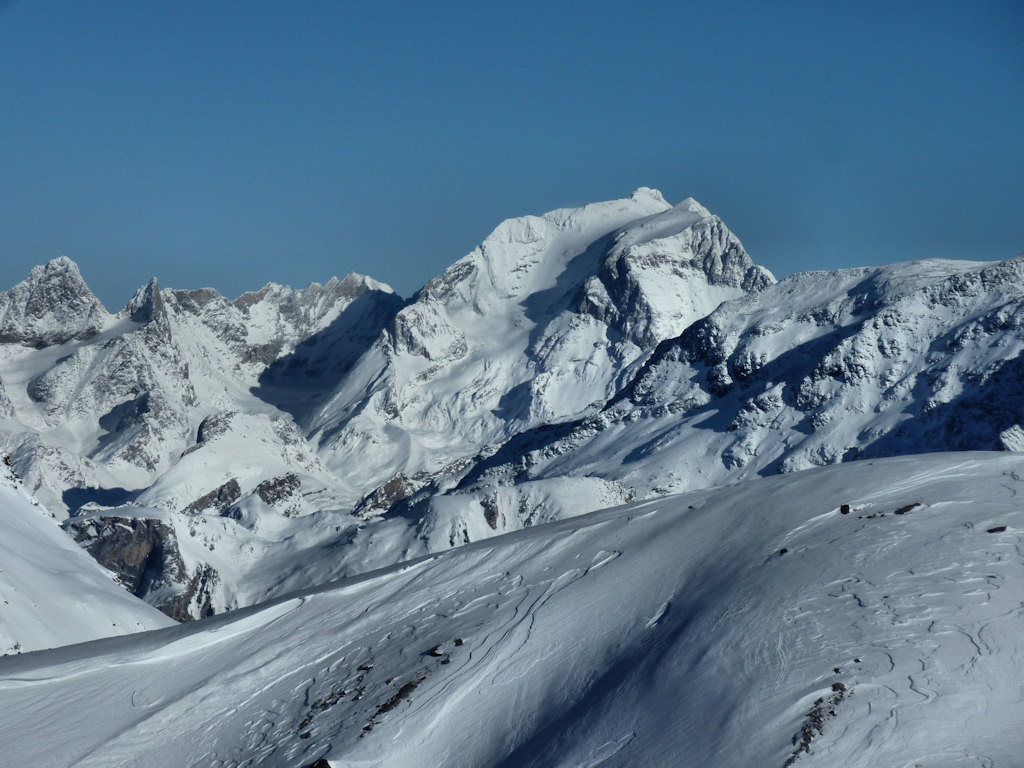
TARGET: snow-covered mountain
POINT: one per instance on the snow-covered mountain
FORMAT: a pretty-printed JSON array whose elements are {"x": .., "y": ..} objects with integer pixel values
[
  {"x": 52, "y": 306},
  {"x": 103, "y": 413},
  {"x": 386, "y": 501},
  {"x": 860, "y": 615},
  {"x": 820, "y": 368},
  {"x": 574, "y": 361},
  {"x": 544, "y": 319},
  {"x": 542, "y": 322},
  {"x": 316, "y": 403}
]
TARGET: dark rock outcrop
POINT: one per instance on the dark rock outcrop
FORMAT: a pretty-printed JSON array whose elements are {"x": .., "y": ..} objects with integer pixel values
[
  {"x": 218, "y": 500},
  {"x": 279, "y": 489},
  {"x": 144, "y": 554}
]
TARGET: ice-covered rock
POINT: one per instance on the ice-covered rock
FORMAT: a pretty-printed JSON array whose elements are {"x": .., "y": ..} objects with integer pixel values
[{"x": 53, "y": 305}]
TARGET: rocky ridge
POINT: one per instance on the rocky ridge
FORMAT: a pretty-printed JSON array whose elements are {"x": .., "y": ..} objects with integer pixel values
[{"x": 818, "y": 369}]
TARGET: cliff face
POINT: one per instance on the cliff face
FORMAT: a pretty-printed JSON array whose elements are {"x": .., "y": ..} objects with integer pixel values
[{"x": 144, "y": 554}]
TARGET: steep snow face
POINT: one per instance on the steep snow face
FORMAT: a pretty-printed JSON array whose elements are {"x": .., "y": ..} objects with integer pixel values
[
  {"x": 52, "y": 306},
  {"x": 818, "y": 369},
  {"x": 542, "y": 320},
  {"x": 645, "y": 289},
  {"x": 860, "y": 615},
  {"x": 51, "y": 592},
  {"x": 102, "y": 417}
]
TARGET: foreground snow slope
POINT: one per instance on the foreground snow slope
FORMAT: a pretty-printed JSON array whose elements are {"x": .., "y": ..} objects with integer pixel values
[
  {"x": 52, "y": 592},
  {"x": 763, "y": 624}
]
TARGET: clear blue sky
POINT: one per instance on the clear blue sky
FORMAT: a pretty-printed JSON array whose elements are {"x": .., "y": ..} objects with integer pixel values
[{"x": 232, "y": 143}]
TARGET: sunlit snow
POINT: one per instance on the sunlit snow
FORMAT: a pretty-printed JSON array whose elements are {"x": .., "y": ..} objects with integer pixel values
[{"x": 861, "y": 615}]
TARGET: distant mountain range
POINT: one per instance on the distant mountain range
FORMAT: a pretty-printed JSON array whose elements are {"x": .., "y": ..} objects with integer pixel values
[
  {"x": 747, "y": 522},
  {"x": 574, "y": 361}
]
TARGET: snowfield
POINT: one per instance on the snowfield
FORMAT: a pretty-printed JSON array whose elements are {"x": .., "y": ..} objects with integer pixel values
[{"x": 867, "y": 614}]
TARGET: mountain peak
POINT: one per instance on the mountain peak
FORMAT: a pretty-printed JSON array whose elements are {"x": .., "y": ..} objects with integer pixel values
[
  {"x": 52, "y": 305},
  {"x": 59, "y": 268},
  {"x": 648, "y": 193},
  {"x": 689, "y": 204},
  {"x": 146, "y": 305}
]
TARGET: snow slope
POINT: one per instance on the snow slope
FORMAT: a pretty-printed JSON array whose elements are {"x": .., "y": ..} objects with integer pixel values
[
  {"x": 52, "y": 592},
  {"x": 860, "y": 615}
]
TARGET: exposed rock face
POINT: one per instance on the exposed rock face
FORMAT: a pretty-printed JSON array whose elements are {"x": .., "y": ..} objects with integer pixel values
[
  {"x": 214, "y": 426},
  {"x": 144, "y": 554},
  {"x": 628, "y": 293},
  {"x": 6, "y": 408},
  {"x": 52, "y": 593},
  {"x": 278, "y": 490},
  {"x": 52, "y": 306},
  {"x": 130, "y": 547},
  {"x": 217, "y": 501},
  {"x": 391, "y": 493}
]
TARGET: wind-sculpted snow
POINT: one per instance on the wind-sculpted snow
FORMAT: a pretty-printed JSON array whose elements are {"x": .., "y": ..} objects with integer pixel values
[{"x": 861, "y": 615}]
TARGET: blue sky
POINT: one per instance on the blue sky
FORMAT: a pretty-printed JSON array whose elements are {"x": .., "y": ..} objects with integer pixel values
[{"x": 228, "y": 144}]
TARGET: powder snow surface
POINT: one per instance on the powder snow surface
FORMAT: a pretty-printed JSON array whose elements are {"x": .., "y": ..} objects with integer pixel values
[{"x": 867, "y": 614}]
